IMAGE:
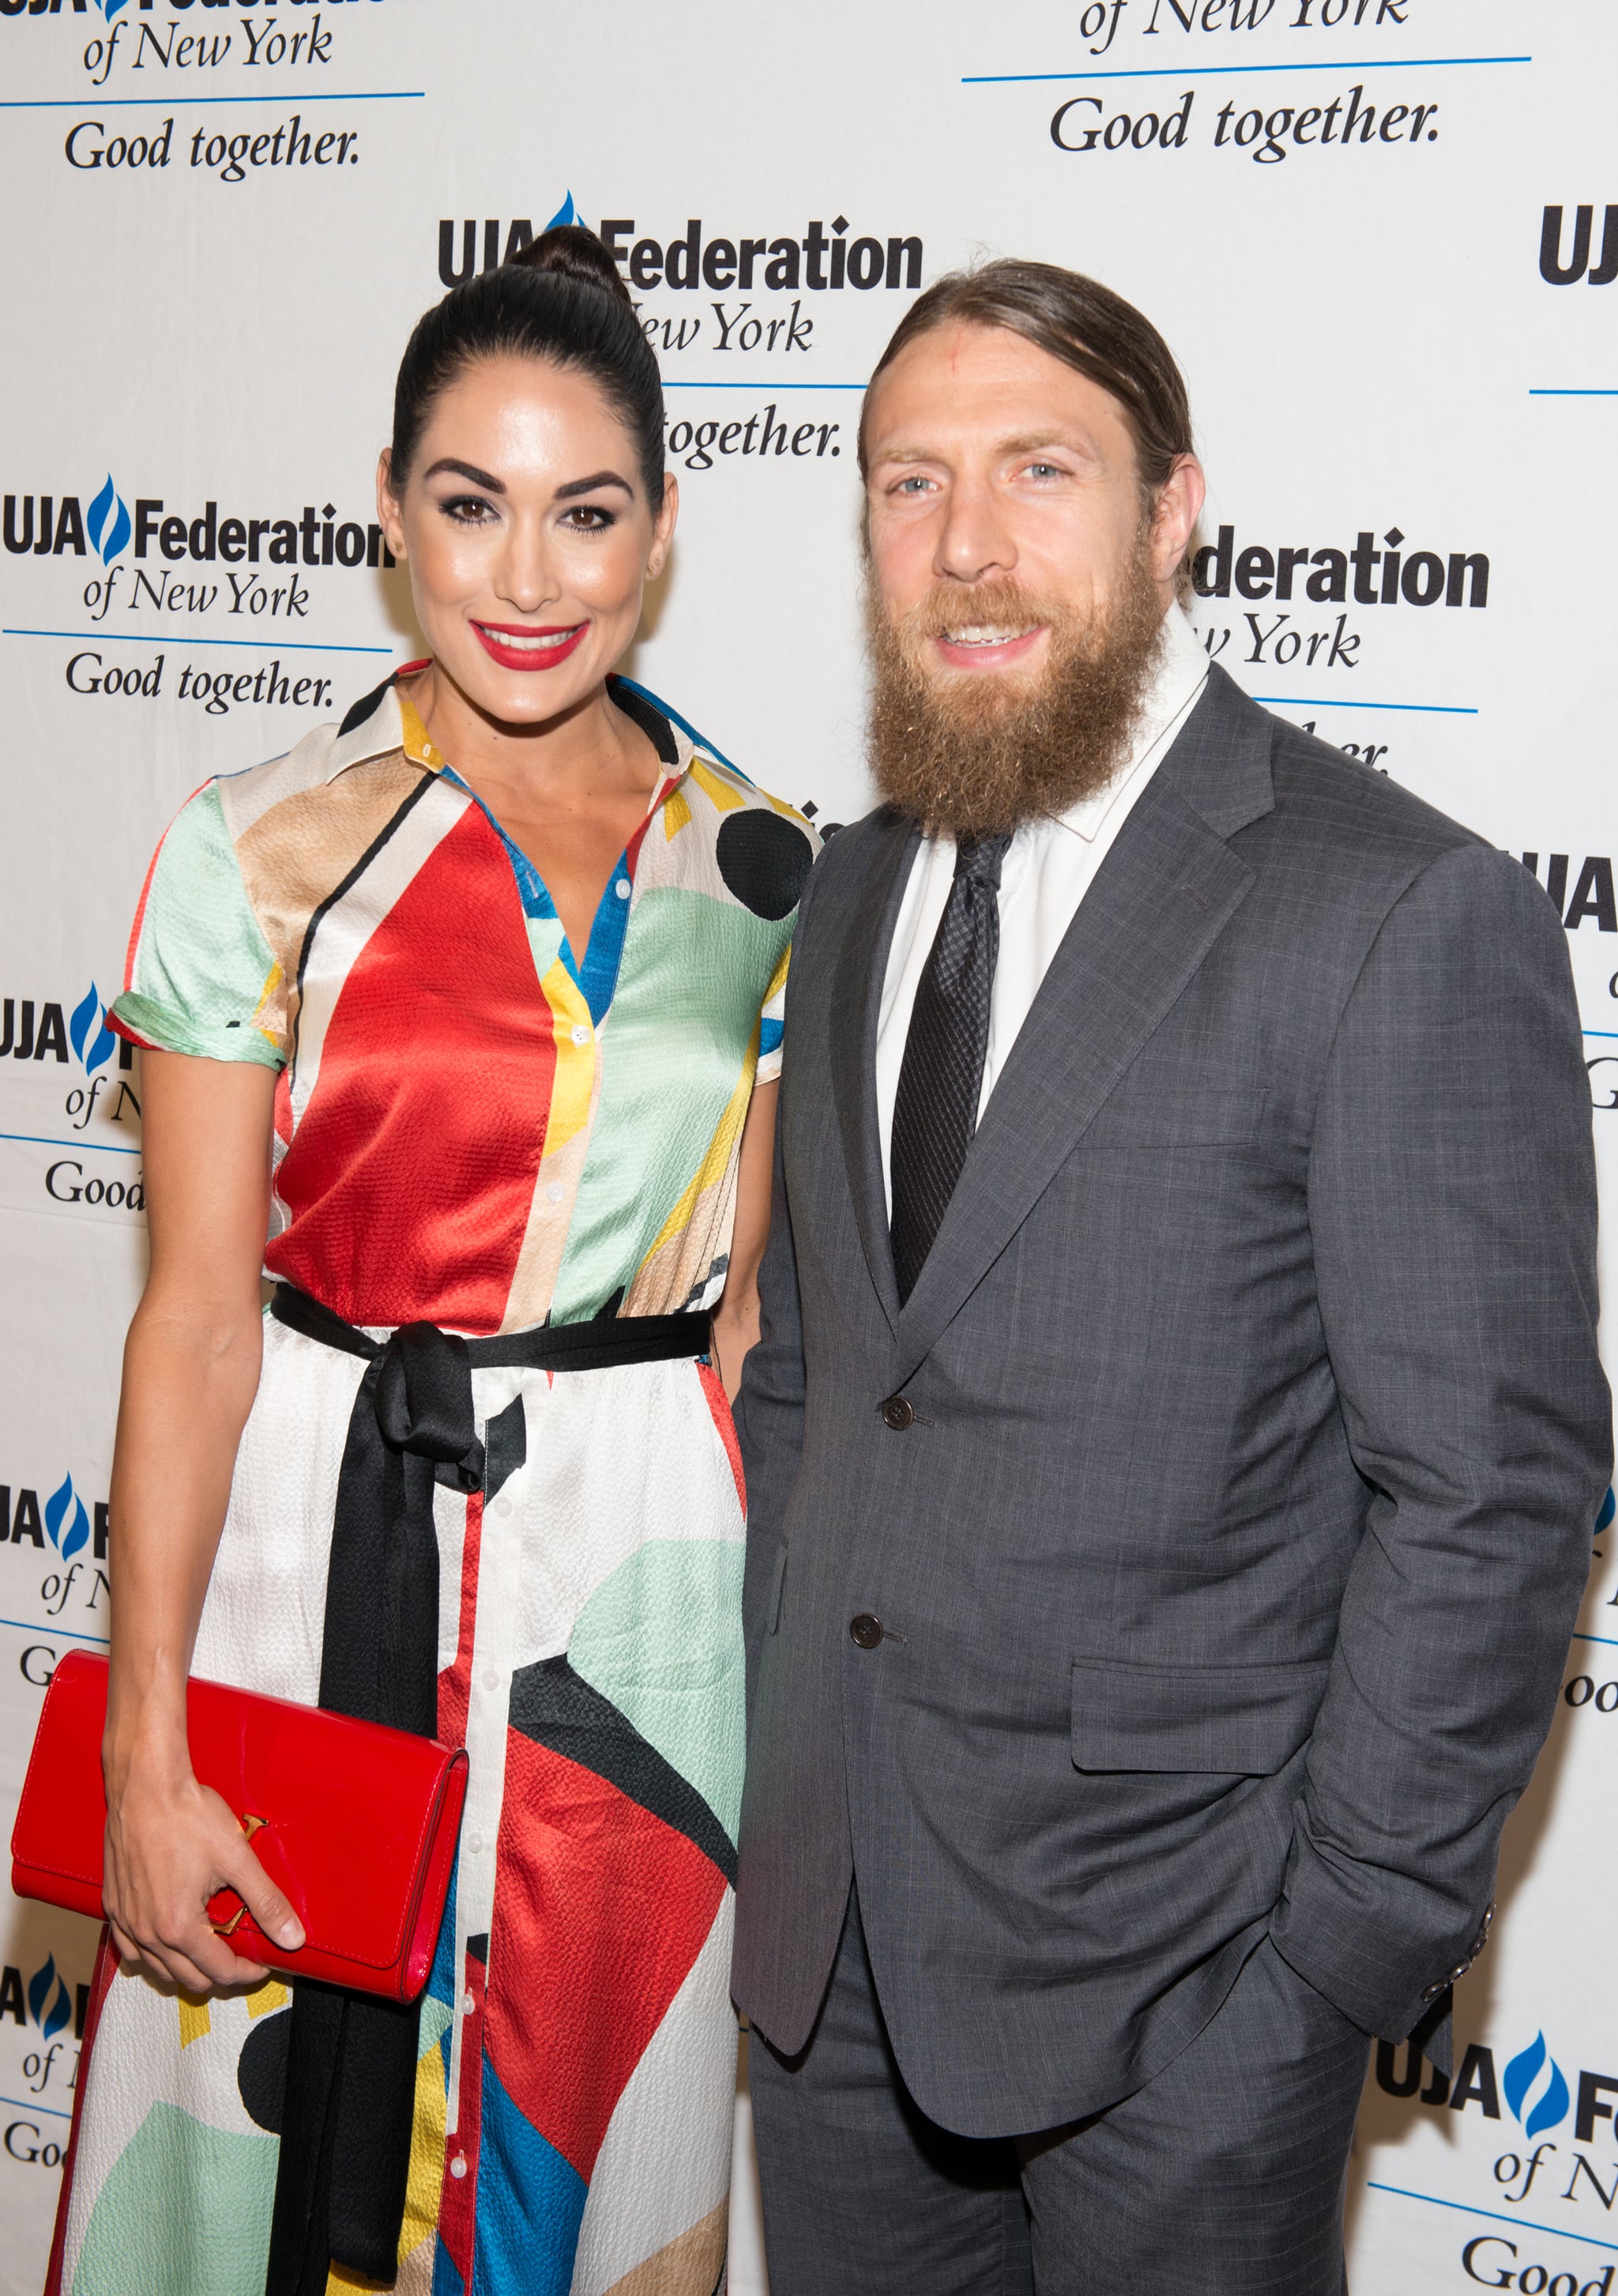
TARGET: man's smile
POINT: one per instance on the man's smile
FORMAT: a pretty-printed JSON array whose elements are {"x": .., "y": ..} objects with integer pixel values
[{"x": 985, "y": 645}]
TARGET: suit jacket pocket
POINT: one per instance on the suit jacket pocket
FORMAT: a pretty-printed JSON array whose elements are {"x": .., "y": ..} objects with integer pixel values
[{"x": 1234, "y": 1719}]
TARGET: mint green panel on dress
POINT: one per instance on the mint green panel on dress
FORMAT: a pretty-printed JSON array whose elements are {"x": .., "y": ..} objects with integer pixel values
[
  {"x": 201, "y": 970},
  {"x": 184, "y": 2207},
  {"x": 662, "y": 1638},
  {"x": 673, "y": 1047}
]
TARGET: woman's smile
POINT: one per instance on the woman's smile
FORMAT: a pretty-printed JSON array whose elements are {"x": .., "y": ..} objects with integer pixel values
[{"x": 515, "y": 646}]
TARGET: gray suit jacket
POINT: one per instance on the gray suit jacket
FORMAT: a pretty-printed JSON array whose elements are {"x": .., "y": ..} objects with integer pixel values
[{"x": 1227, "y": 1561}]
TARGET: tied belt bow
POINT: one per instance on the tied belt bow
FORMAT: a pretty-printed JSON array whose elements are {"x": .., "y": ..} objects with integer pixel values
[{"x": 351, "y": 2074}]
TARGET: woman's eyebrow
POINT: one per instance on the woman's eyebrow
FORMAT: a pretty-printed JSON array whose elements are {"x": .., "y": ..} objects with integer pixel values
[
  {"x": 589, "y": 486},
  {"x": 467, "y": 470}
]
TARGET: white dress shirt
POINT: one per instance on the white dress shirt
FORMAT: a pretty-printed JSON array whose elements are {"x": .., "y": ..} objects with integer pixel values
[{"x": 1049, "y": 866}]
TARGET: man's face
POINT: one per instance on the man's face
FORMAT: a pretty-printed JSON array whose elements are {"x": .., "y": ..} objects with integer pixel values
[
  {"x": 1019, "y": 581},
  {"x": 991, "y": 462}
]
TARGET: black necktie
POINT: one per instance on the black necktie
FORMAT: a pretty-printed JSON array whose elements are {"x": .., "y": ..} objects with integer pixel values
[{"x": 935, "y": 1111}]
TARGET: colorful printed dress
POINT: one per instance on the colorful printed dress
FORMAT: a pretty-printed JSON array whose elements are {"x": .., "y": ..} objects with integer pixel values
[{"x": 476, "y": 1127}]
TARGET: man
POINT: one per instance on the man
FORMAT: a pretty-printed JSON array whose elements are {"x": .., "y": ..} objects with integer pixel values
[{"x": 1174, "y": 1446}]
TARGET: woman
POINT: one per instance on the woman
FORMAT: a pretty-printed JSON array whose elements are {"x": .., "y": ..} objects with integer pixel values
[{"x": 489, "y": 978}]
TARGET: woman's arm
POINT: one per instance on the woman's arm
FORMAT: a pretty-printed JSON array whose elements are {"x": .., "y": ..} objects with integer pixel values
[
  {"x": 191, "y": 1370},
  {"x": 735, "y": 1319}
]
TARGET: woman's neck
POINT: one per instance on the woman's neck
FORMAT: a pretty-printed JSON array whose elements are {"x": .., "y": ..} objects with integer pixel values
[{"x": 591, "y": 748}]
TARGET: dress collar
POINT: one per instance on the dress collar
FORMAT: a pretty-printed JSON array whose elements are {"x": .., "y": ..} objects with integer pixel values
[{"x": 386, "y": 720}]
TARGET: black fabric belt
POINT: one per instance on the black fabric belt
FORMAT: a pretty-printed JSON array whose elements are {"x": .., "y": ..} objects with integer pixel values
[{"x": 350, "y": 2075}]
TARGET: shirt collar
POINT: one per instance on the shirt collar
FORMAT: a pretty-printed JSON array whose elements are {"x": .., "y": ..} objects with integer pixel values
[
  {"x": 1178, "y": 678},
  {"x": 386, "y": 720},
  {"x": 376, "y": 724}
]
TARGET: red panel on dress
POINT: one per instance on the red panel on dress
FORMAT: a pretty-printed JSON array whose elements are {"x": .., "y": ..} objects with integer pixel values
[
  {"x": 719, "y": 1407},
  {"x": 603, "y": 1911},
  {"x": 412, "y": 1174}
]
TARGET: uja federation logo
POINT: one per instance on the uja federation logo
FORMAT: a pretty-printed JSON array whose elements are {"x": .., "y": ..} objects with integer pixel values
[
  {"x": 30, "y": 1030},
  {"x": 64, "y": 526},
  {"x": 63, "y": 1521},
  {"x": 94, "y": 1043},
  {"x": 1535, "y": 2073},
  {"x": 108, "y": 523},
  {"x": 50, "y": 2004},
  {"x": 67, "y": 1525}
]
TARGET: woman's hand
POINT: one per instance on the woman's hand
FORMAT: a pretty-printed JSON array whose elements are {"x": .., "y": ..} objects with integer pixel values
[{"x": 172, "y": 1844}]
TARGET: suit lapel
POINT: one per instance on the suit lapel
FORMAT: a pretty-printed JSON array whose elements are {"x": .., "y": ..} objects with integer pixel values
[
  {"x": 862, "y": 963},
  {"x": 1162, "y": 898}
]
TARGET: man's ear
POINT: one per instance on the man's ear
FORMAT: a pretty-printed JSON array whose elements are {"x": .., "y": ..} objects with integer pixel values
[{"x": 1179, "y": 506}]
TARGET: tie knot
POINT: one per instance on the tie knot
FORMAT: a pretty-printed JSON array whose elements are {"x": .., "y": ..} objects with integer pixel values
[{"x": 979, "y": 860}]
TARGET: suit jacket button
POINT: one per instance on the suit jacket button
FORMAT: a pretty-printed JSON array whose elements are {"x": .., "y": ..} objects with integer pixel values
[
  {"x": 866, "y": 1630},
  {"x": 896, "y": 1413}
]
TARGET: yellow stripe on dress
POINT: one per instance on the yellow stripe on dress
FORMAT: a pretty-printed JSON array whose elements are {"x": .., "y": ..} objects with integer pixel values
[
  {"x": 719, "y": 794},
  {"x": 715, "y": 1162},
  {"x": 570, "y": 1109}
]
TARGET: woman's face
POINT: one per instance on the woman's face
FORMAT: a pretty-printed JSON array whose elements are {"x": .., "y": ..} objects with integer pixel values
[{"x": 525, "y": 524}]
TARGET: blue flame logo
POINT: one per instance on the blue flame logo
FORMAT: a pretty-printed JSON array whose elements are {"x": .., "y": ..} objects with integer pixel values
[
  {"x": 93, "y": 1040},
  {"x": 566, "y": 213},
  {"x": 1520, "y": 2077},
  {"x": 1609, "y": 1507},
  {"x": 108, "y": 520},
  {"x": 110, "y": 8},
  {"x": 66, "y": 1523},
  {"x": 50, "y": 2012}
]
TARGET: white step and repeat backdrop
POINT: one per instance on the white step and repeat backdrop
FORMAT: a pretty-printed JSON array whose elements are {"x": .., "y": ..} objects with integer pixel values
[{"x": 1370, "y": 228}]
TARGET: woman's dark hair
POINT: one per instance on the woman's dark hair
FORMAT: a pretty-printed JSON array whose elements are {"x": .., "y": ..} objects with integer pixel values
[
  {"x": 561, "y": 299},
  {"x": 1087, "y": 327}
]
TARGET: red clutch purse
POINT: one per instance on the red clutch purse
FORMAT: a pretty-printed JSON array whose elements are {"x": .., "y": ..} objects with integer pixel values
[{"x": 356, "y": 1823}]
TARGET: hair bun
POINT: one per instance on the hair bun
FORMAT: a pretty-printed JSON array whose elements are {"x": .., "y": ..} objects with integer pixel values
[{"x": 574, "y": 250}]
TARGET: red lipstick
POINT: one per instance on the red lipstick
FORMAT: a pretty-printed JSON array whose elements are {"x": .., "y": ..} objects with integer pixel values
[{"x": 545, "y": 646}]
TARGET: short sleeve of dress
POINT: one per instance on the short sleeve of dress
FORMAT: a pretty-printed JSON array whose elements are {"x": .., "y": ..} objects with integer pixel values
[{"x": 201, "y": 977}]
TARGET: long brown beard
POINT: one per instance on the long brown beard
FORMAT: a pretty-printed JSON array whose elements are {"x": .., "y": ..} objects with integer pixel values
[{"x": 974, "y": 755}]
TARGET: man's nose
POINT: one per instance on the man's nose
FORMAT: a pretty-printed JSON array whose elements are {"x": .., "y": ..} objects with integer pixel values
[{"x": 975, "y": 541}]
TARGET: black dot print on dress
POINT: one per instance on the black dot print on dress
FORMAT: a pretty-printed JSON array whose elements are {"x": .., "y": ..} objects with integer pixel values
[
  {"x": 261, "y": 2070},
  {"x": 764, "y": 858}
]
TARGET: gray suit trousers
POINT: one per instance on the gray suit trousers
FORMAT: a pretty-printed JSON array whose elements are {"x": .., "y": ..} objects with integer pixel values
[{"x": 1224, "y": 2174}]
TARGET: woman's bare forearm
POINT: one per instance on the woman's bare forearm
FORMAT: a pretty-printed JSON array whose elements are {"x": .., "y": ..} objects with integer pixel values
[
  {"x": 191, "y": 1371},
  {"x": 189, "y": 1379}
]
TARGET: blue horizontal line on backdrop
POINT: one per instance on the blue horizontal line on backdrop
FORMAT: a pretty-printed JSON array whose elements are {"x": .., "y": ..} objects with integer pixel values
[
  {"x": 253, "y": 645},
  {"x": 49, "y": 2110},
  {"x": 1573, "y": 394},
  {"x": 62, "y": 1634},
  {"x": 196, "y": 102},
  {"x": 1557, "y": 2232},
  {"x": 765, "y": 386},
  {"x": 1423, "y": 709},
  {"x": 1601, "y": 1032},
  {"x": 1605, "y": 1641},
  {"x": 1227, "y": 71},
  {"x": 38, "y": 1140}
]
